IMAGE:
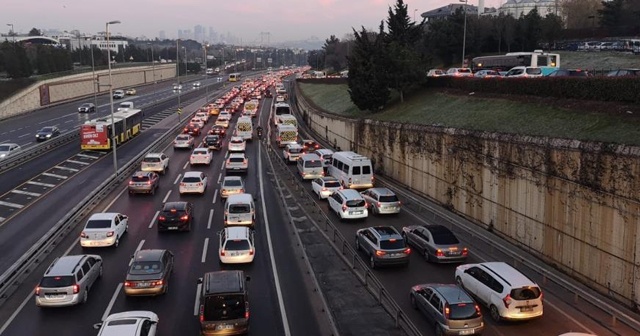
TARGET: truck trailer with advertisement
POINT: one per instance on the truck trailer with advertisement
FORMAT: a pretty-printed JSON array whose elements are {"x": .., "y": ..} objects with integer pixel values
[{"x": 96, "y": 134}]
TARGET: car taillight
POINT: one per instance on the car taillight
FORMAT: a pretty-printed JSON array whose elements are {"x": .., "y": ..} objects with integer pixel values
[
  {"x": 507, "y": 301},
  {"x": 130, "y": 182},
  {"x": 344, "y": 208},
  {"x": 322, "y": 174},
  {"x": 303, "y": 174},
  {"x": 161, "y": 218},
  {"x": 447, "y": 310},
  {"x": 407, "y": 250},
  {"x": 439, "y": 253},
  {"x": 478, "y": 311},
  {"x": 378, "y": 204},
  {"x": 324, "y": 189},
  {"x": 380, "y": 253},
  {"x": 185, "y": 217},
  {"x": 128, "y": 284},
  {"x": 251, "y": 252},
  {"x": 465, "y": 251},
  {"x": 399, "y": 203},
  {"x": 149, "y": 182},
  {"x": 83, "y": 235},
  {"x": 222, "y": 253},
  {"x": 541, "y": 296},
  {"x": 200, "y": 184},
  {"x": 246, "y": 313},
  {"x": 201, "y": 313},
  {"x": 183, "y": 184},
  {"x": 76, "y": 289},
  {"x": 242, "y": 191},
  {"x": 110, "y": 234},
  {"x": 38, "y": 290},
  {"x": 157, "y": 283}
]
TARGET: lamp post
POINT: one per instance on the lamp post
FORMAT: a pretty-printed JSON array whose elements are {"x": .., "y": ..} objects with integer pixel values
[
  {"x": 113, "y": 128},
  {"x": 153, "y": 67},
  {"x": 464, "y": 34},
  {"x": 95, "y": 80},
  {"x": 178, "y": 75},
  {"x": 13, "y": 33}
]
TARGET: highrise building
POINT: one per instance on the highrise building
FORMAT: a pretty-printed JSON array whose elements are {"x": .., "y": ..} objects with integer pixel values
[
  {"x": 198, "y": 33},
  {"x": 162, "y": 35}
]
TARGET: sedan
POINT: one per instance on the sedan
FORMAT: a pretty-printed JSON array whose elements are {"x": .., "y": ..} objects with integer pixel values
[
  {"x": 237, "y": 144},
  {"x": 130, "y": 92},
  {"x": 183, "y": 141},
  {"x": 212, "y": 142},
  {"x": 196, "y": 84},
  {"x": 436, "y": 243},
  {"x": 192, "y": 129},
  {"x": 47, "y": 133},
  {"x": 104, "y": 229},
  {"x": 8, "y": 149},
  {"x": 177, "y": 87},
  {"x": 218, "y": 130},
  {"x": 222, "y": 121},
  {"x": 149, "y": 273},
  {"x": 131, "y": 323},
  {"x": 144, "y": 182},
  {"x": 87, "y": 108},
  {"x": 325, "y": 186},
  {"x": 231, "y": 185},
  {"x": 201, "y": 155},
  {"x": 309, "y": 145}
]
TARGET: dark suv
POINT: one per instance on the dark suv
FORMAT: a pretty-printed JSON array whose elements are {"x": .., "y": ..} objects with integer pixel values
[
  {"x": 192, "y": 129},
  {"x": 449, "y": 308},
  {"x": 176, "y": 216},
  {"x": 224, "y": 303},
  {"x": 384, "y": 245}
]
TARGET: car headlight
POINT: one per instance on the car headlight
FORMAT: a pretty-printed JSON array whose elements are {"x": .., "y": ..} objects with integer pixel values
[
  {"x": 3, "y": 155},
  {"x": 48, "y": 135}
]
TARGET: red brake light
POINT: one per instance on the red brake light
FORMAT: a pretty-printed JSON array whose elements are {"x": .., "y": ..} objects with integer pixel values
[
  {"x": 38, "y": 290},
  {"x": 83, "y": 235},
  {"x": 246, "y": 314},
  {"x": 407, "y": 250},
  {"x": 478, "y": 311},
  {"x": 465, "y": 251},
  {"x": 185, "y": 217},
  {"x": 250, "y": 252},
  {"x": 380, "y": 253},
  {"x": 161, "y": 218},
  {"x": 222, "y": 253},
  {"x": 378, "y": 204},
  {"x": 130, "y": 182},
  {"x": 507, "y": 301},
  {"x": 344, "y": 208},
  {"x": 201, "y": 313},
  {"x": 439, "y": 253},
  {"x": 447, "y": 311},
  {"x": 76, "y": 289},
  {"x": 128, "y": 284}
]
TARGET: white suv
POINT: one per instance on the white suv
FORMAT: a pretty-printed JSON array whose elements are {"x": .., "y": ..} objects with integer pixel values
[
  {"x": 201, "y": 155},
  {"x": 348, "y": 204},
  {"x": 193, "y": 182},
  {"x": 236, "y": 245},
  {"x": 237, "y": 144},
  {"x": 508, "y": 294},
  {"x": 155, "y": 162},
  {"x": 236, "y": 162}
]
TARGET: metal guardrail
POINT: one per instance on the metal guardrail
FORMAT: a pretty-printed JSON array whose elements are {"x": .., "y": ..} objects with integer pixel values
[
  {"x": 578, "y": 292},
  {"x": 341, "y": 245}
]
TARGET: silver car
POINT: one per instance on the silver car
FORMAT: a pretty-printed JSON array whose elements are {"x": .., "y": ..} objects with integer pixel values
[
  {"x": 448, "y": 307},
  {"x": 436, "y": 243},
  {"x": 8, "y": 149},
  {"x": 237, "y": 162},
  {"x": 183, "y": 141},
  {"x": 382, "y": 201},
  {"x": 68, "y": 280},
  {"x": 231, "y": 185}
]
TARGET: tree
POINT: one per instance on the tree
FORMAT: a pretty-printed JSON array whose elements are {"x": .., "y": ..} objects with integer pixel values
[
  {"x": 367, "y": 83},
  {"x": 16, "y": 62},
  {"x": 34, "y": 32},
  {"x": 315, "y": 59},
  {"x": 551, "y": 29},
  {"x": 577, "y": 12},
  {"x": 531, "y": 25},
  {"x": 612, "y": 13},
  {"x": 332, "y": 53}
]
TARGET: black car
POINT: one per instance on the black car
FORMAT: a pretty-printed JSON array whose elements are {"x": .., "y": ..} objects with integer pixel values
[
  {"x": 268, "y": 94},
  {"x": 192, "y": 129},
  {"x": 624, "y": 73},
  {"x": 47, "y": 133},
  {"x": 175, "y": 216},
  {"x": 218, "y": 130},
  {"x": 212, "y": 141},
  {"x": 309, "y": 145},
  {"x": 86, "y": 108}
]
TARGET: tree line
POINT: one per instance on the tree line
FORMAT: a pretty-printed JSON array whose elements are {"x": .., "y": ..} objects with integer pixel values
[{"x": 394, "y": 57}]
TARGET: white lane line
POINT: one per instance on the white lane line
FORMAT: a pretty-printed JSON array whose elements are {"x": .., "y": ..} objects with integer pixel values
[
  {"x": 154, "y": 219},
  {"x": 166, "y": 197},
  {"x": 55, "y": 175},
  {"x": 68, "y": 121},
  {"x": 79, "y": 162},
  {"x": 222, "y": 165},
  {"x": 67, "y": 169},
  {"x": 28, "y": 193},
  {"x": 274, "y": 268},
  {"x": 219, "y": 178},
  {"x": 24, "y": 135},
  {"x": 88, "y": 156},
  {"x": 114, "y": 199},
  {"x": 185, "y": 165},
  {"x": 75, "y": 242},
  {"x": 112, "y": 302},
  {"x": 137, "y": 249},
  {"x": 215, "y": 196},
  {"x": 177, "y": 178},
  {"x": 196, "y": 306},
  {"x": 204, "y": 250},
  {"x": 210, "y": 219},
  {"x": 12, "y": 205}
]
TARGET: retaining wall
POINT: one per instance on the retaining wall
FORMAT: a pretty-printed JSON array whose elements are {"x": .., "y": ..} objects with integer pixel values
[{"x": 573, "y": 204}]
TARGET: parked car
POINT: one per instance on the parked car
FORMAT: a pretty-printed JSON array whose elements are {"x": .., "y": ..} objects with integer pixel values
[
  {"x": 104, "y": 229},
  {"x": 132, "y": 323},
  {"x": 384, "y": 246},
  {"x": 487, "y": 74},
  {"x": 87, "y": 108},
  {"x": 624, "y": 73},
  {"x": 459, "y": 72},
  {"x": 47, "y": 133},
  {"x": 524, "y": 72},
  {"x": 149, "y": 273},
  {"x": 436, "y": 73},
  {"x": 570, "y": 73},
  {"x": 435, "y": 242}
]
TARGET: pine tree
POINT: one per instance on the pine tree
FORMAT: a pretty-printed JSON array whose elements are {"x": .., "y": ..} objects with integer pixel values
[{"x": 367, "y": 83}]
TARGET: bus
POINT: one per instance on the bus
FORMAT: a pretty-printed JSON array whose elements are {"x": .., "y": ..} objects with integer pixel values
[
  {"x": 545, "y": 61},
  {"x": 234, "y": 77},
  {"x": 96, "y": 134}
]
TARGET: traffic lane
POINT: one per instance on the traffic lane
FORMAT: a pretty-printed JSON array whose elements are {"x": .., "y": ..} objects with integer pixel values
[{"x": 26, "y": 228}]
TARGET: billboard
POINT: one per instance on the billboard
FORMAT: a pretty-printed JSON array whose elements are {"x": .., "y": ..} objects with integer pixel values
[{"x": 94, "y": 137}]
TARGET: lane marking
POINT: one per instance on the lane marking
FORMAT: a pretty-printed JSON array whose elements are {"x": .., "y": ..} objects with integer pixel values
[
  {"x": 28, "y": 193},
  {"x": 210, "y": 219},
  {"x": 55, "y": 175},
  {"x": 112, "y": 302},
  {"x": 24, "y": 135},
  {"x": 185, "y": 165},
  {"x": 222, "y": 165},
  {"x": 67, "y": 169},
  {"x": 196, "y": 307},
  {"x": 204, "y": 250},
  {"x": 220, "y": 178},
  {"x": 12, "y": 205},
  {"x": 177, "y": 178},
  {"x": 137, "y": 249},
  {"x": 215, "y": 196},
  {"x": 79, "y": 162},
  {"x": 166, "y": 197},
  {"x": 87, "y": 156},
  {"x": 154, "y": 219}
]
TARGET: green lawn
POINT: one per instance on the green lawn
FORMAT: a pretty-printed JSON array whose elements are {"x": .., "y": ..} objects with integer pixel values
[{"x": 495, "y": 115}]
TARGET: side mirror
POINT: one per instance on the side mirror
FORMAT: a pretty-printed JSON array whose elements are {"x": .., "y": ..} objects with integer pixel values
[
  {"x": 199, "y": 280},
  {"x": 97, "y": 326}
]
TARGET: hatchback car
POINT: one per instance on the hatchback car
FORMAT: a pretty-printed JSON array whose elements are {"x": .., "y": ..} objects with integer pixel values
[
  {"x": 198, "y": 121},
  {"x": 448, "y": 307},
  {"x": 67, "y": 280},
  {"x": 155, "y": 162},
  {"x": 47, "y": 133},
  {"x": 149, "y": 273},
  {"x": 570, "y": 73},
  {"x": 87, "y": 108},
  {"x": 104, "y": 229},
  {"x": 223, "y": 120},
  {"x": 236, "y": 245},
  {"x": 130, "y": 323},
  {"x": 175, "y": 216},
  {"x": 201, "y": 155},
  {"x": 218, "y": 130},
  {"x": 192, "y": 129},
  {"x": 237, "y": 144},
  {"x": 231, "y": 185},
  {"x": 291, "y": 153},
  {"x": 382, "y": 201},
  {"x": 118, "y": 94},
  {"x": 384, "y": 246},
  {"x": 325, "y": 186},
  {"x": 436, "y": 243},
  {"x": 183, "y": 141},
  {"x": 193, "y": 182},
  {"x": 237, "y": 163},
  {"x": 8, "y": 149},
  {"x": 144, "y": 182}
]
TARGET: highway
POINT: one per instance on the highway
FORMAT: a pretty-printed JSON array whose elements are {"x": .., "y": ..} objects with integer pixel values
[{"x": 195, "y": 253}]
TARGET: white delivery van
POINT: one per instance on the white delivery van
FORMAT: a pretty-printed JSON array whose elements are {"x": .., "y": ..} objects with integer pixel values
[
  {"x": 288, "y": 119},
  {"x": 240, "y": 210},
  {"x": 244, "y": 128},
  {"x": 354, "y": 171},
  {"x": 286, "y": 135},
  {"x": 280, "y": 109},
  {"x": 310, "y": 167}
]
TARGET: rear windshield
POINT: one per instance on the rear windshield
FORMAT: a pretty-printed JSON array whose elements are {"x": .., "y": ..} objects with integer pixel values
[
  {"x": 140, "y": 178},
  {"x": 151, "y": 159},
  {"x": 182, "y": 138},
  {"x": 313, "y": 164},
  {"x": 237, "y": 141},
  {"x": 239, "y": 208},
  {"x": 145, "y": 267},
  {"x": 462, "y": 311},
  {"x": 389, "y": 198},
  {"x": 332, "y": 184},
  {"x": 445, "y": 239},
  {"x": 237, "y": 245},
  {"x": 172, "y": 214},
  {"x": 57, "y": 281},
  {"x": 233, "y": 183},
  {"x": 99, "y": 224},
  {"x": 525, "y": 293},
  {"x": 464, "y": 70},
  {"x": 355, "y": 203},
  {"x": 366, "y": 170},
  {"x": 236, "y": 159},
  {"x": 392, "y": 244},
  {"x": 282, "y": 110},
  {"x": 295, "y": 150},
  {"x": 224, "y": 307},
  {"x": 191, "y": 180}
]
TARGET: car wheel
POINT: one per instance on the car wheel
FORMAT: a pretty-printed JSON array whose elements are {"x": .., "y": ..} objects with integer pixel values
[
  {"x": 117, "y": 242},
  {"x": 372, "y": 262},
  {"x": 413, "y": 302},
  {"x": 85, "y": 297},
  {"x": 126, "y": 228},
  {"x": 495, "y": 314}
]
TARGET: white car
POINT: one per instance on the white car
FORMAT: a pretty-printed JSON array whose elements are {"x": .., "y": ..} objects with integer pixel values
[
  {"x": 231, "y": 185},
  {"x": 225, "y": 114},
  {"x": 197, "y": 121},
  {"x": 222, "y": 121},
  {"x": 8, "y": 149},
  {"x": 155, "y": 162},
  {"x": 280, "y": 99},
  {"x": 237, "y": 144},
  {"x": 204, "y": 116},
  {"x": 201, "y": 155},
  {"x": 196, "y": 84},
  {"x": 291, "y": 153},
  {"x": 325, "y": 186},
  {"x": 177, "y": 87},
  {"x": 183, "y": 141},
  {"x": 193, "y": 182},
  {"x": 130, "y": 323},
  {"x": 104, "y": 229},
  {"x": 236, "y": 245}
]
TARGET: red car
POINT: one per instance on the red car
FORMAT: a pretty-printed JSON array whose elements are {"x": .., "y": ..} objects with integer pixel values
[
  {"x": 309, "y": 145},
  {"x": 192, "y": 129}
]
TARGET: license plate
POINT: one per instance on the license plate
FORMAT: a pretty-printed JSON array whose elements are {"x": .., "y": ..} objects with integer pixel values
[
  {"x": 224, "y": 326},
  {"x": 526, "y": 309},
  {"x": 454, "y": 253},
  {"x": 355, "y": 212},
  {"x": 54, "y": 296},
  {"x": 143, "y": 284},
  {"x": 172, "y": 228},
  {"x": 234, "y": 254},
  {"x": 467, "y": 332}
]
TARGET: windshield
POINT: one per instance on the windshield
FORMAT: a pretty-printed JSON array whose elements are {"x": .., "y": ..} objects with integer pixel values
[
  {"x": 332, "y": 184},
  {"x": 151, "y": 159},
  {"x": 224, "y": 307},
  {"x": 191, "y": 179},
  {"x": 47, "y": 129},
  {"x": 239, "y": 208},
  {"x": 99, "y": 224},
  {"x": 145, "y": 267},
  {"x": 445, "y": 238},
  {"x": 237, "y": 245},
  {"x": 313, "y": 164},
  {"x": 4, "y": 148},
  {"x": 388, "y": 198}
]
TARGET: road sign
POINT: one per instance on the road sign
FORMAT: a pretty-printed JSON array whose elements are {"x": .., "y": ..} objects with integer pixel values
[{"x": 179, "y": 111}]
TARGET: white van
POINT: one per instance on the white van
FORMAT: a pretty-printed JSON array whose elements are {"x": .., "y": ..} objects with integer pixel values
[
  {"x": 310, "y": 167},
  {"x": 240, "y": 210},
  {"x": 354, "y": 171},
  {"x": 286, "y": 135},
  {"x": 280, "y": 109},
  {"x": 244, "y": 128},
  {"x": 288, "y": 119}
]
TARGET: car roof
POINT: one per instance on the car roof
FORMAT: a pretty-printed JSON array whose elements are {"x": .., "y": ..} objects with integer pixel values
[
  {"x": 239, "y": 198},
  {"x": 64, "y": 265},
  {"x": 149, "y": 255},
  {"x": 192, "y": 174},
  {"x": 436, "y": 228},
  {"x": 452, "y": 293},
  {"x": 329, "y": 179},
  {"x": 103, "y": 215},
  {"x": 154, "y": 155},
  {"x": 232, "y": 178},
  {"x": 237, "y": 232},
  {"x": 236, "y": 155},
  {"x": 294, "y": 146},
  {"x": 382, "y": 191},
  {"x": 350, "y": 193},
  {"x": 324, "y": 151},
  {"x": 508, "y": 274},
  {"x": 175, "y": 205}
]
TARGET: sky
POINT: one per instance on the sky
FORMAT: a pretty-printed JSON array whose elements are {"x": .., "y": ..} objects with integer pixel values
[{"x": 284, "y": 20}]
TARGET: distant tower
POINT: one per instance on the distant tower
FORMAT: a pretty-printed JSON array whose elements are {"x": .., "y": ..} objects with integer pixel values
[{"x": 480, "y": 7}]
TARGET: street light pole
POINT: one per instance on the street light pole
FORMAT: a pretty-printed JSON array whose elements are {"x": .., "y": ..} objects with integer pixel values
[
  {"x": 113, "y": 128},
  {"x": 95, "y": 80},
  {"x": 178, "y": 75},
  {"x": 464, "y": 36},
  {"x": 153, "y": 68}
]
